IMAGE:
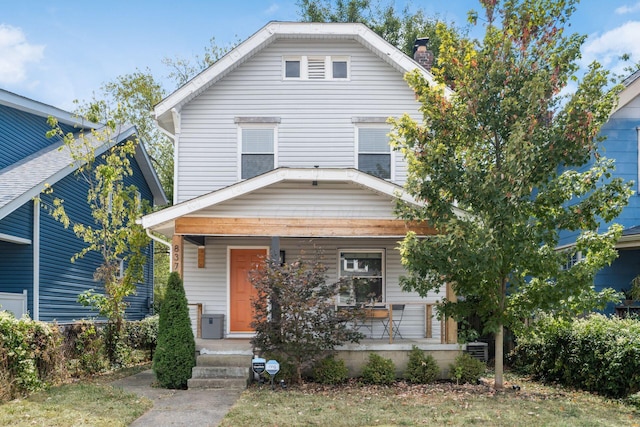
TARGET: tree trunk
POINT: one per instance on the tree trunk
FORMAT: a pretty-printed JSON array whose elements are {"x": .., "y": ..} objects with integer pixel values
[{"x": 499, "y": 383}]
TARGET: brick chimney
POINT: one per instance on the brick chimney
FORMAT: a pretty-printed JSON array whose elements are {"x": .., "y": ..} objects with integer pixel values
[{"x": 421, "y": 55}]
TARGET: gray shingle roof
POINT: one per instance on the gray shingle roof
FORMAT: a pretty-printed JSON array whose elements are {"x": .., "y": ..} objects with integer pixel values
[{"x": 25, "y": 179}]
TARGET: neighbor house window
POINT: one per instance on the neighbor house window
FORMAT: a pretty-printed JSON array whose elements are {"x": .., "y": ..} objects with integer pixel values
[
  {"x": 363, "y": 273},
  {"x": 572, "y": 259},
  {"x": 316, "y": 67},
  {"x": 374, "y": 151},
  {"x": 119, "y": 268},
  {"x": 257, "y": 155}
]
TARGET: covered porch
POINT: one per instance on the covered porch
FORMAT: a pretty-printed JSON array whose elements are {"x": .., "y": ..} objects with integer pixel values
[{"x": 343, "y": 218}]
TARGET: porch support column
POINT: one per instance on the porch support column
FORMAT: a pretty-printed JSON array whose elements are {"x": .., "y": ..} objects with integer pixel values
[
  {"x": 451, "y": 326},
  {"x": 275, "y": 249},
  {"x": 177, "y": 254}
]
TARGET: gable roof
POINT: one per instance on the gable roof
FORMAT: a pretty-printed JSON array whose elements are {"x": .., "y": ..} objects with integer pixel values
[
  {"x": 26, "y": 178},
  {"x": 630, "y": 92},
  {"x": 171, "y": 105},
  {"x": 163, "y": 219}
]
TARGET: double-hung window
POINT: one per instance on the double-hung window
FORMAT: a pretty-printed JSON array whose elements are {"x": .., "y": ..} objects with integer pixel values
[
  {"x": 363, "y": 272},
  {"x": 257, "y": 154},
  {"x": 374, "y": 151}
]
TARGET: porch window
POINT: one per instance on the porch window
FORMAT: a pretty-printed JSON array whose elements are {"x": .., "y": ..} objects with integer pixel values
[
  {"x": 374, "y": 151},
  {"x": 363, "y": 271},
  {"x": 258, "y": 155}
]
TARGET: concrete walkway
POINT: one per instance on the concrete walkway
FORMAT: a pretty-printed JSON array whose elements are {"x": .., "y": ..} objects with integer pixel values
[{"x": 178, "y": 407}]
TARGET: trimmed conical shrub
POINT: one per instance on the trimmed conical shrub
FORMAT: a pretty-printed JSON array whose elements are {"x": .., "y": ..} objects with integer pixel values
[{"x": 175, "y": 352}]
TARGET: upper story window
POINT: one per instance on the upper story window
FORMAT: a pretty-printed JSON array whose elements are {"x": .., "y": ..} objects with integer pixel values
[
  {"x": 374, "y": 151},
  {"x": 257, "y": 145},
  {"x": 257, "y": 151},
  {"x": 316, "y": 68}
]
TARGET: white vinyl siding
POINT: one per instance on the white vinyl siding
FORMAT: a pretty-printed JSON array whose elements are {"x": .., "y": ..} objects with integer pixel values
[
  {"x": 305, "y": 200},
  {"x": 208, "y": 285},
  {"x": 316, "y": 127}
]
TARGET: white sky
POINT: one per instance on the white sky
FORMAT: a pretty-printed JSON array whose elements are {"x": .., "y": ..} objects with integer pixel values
[{"x": 55, "y": 52}]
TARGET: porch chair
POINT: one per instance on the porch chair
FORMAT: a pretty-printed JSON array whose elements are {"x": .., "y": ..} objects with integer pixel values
[{"x": 394, "y": 328}]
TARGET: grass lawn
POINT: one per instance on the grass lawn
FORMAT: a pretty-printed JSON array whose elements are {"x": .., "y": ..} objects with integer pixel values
[
  {"x": 431, "y": 405},
  {"x": 86, "y": 403}
]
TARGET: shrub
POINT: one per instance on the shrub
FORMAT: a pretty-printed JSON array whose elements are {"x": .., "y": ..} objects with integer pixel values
[
  {"x": 466, "y": 369},
  {"x": 421, "y": 368},
  {"x": 30, "y": 356},
  {"x": 598, "y": 353},
  {"x": 90, "y": 350},
  {"x": 175, "y": 353},
  {"x": 143, "y": 334},
  {"x": 330, "y": 371},
  {"x": 295, "y": 315},
  {"x": 379, "y": 370}
]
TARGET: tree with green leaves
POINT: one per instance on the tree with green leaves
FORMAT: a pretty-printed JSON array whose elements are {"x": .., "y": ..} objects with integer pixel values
[
  {"x": 184, "y": 69},
  {"x": 176, "y": 349},
  {"x": 400, "y": 28},
  {"x": 115, "y": 206},
  {"x": 520, "y": 155}
]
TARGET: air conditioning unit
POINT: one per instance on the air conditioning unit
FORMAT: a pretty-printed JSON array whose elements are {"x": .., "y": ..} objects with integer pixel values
[{"x": 478, "y": 350}]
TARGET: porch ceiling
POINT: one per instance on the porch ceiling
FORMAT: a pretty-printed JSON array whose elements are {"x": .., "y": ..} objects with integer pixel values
[{"x": 299, "y": 227}]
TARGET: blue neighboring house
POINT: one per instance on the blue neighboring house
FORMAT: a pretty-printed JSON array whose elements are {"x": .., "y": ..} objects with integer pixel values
[
  {"x": 622, "y": 132},
  {"x": 37, "y": 275}
]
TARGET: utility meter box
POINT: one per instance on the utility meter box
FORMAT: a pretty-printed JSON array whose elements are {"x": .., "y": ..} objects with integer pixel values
[{"x": 212, "y": 326}]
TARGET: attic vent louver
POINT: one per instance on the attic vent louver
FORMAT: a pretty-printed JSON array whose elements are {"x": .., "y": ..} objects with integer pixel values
[{"x": 316, "y": 68}]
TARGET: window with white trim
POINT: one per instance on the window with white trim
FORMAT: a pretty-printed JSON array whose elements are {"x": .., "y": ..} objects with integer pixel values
[
  {"x": 257, "y": 145},
  {"x": 316, "y": 67},
  {"x": 572, "y": 259},
  {"x": 374, "y": 151},
  {"x": 119, "y": 268},
  {"x": 363, "y": 271}
]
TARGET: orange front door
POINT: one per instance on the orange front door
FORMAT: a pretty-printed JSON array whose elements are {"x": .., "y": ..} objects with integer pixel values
[{"x": 242, "y": 261}]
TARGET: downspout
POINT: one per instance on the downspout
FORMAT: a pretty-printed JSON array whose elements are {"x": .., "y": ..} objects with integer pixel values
[{"x": 36, "y": 260}]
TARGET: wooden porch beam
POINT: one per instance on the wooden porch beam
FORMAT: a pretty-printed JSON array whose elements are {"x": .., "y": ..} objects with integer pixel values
[{"x": 299, "y": 227}]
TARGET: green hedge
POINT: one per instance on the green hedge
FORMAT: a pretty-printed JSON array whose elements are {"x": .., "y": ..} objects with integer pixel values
[
  {"x": 30, "y": 356},
  {"x": 598, "y": 354}
]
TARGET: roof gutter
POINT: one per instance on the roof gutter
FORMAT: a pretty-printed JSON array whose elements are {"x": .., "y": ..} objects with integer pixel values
[{"x": 157, "y": 239}]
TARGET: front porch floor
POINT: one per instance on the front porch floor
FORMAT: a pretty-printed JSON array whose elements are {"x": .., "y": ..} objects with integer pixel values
[{"x": 243, "y": 345}]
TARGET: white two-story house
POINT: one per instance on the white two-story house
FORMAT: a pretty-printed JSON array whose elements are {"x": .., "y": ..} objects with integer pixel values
[{"x": 282, "y": 149}]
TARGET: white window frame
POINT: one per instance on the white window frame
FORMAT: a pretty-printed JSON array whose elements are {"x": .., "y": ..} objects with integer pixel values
[
  {"x": 120, "y": 271},
  {"x": 328, "y": 67},
  {"x": 383, "y": 273},
  {"x": 573, "y": 260},
  {"x": 356, "y": 162},
  {"x": 333, "y": 59},
  {"x": 241, "y": 126},
  {"x": 303, "y": 67}
]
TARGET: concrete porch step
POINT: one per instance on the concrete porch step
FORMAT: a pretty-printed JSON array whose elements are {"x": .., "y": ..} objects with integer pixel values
[
  {"x": 228, "y": 383},
  {"x": 239, "y": 360},
  {"x": 220, "y": 372}
]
